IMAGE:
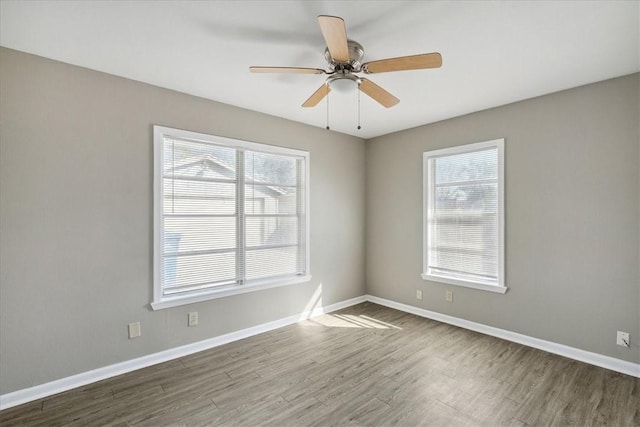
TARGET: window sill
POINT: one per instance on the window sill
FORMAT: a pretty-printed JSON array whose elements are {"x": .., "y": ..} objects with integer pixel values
[
  {"x": 175, "y": 301},
  {"x": 466, "y": 284}
]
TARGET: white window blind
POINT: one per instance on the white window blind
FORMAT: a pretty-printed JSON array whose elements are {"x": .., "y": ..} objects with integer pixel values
[
  {"x": 464, "y": 215},
  {"x": 229, "y": 215}
]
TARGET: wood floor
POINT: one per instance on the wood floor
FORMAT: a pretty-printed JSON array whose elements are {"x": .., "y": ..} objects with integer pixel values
[{"x": 364, "y": 365}]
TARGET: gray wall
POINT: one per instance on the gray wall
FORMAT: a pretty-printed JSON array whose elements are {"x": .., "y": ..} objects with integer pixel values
[
  {"x": 572, "y": 215},
  {"x": 76, "y": 219}
]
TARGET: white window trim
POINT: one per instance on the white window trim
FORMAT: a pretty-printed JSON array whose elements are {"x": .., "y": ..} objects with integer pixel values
[
  {"x": 427, "y": 198},
  {"x": 161, "y": 301}
]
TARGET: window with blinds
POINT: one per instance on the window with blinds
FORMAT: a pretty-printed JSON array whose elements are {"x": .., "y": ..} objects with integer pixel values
[
  {"x": 464, "y": 215},
  {"x": 230, "y": 216}
]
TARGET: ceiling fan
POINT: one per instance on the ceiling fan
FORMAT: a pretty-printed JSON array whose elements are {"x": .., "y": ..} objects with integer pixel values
[{"x": 344, "y": 57}]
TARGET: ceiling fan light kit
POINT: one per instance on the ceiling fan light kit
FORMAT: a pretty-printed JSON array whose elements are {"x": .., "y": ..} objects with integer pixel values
[
  {"x": 342, "y": 82},
  {"x": 344, "y": 59}
]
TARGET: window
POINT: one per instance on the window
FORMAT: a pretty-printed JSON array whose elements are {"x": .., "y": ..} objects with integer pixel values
[
  {"x": 230, "y": 217},
  {"x": 464, "y": 216}
]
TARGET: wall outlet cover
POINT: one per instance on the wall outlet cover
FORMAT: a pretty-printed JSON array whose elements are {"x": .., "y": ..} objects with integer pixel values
[
  {"x": 448, "y": 296},
  {"x": 622, "y": 338},
  {"x": 134, "y": 330},
  {"x": 419, "y": 294},
  {"x": 193, "y": 318}
]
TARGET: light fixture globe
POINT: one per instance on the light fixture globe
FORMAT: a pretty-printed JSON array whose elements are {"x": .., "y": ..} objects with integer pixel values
[{"x": 343, "y": 83}]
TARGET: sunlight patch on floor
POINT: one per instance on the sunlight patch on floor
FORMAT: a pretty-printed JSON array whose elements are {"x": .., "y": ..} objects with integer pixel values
[{"x": 349, "y": 321}]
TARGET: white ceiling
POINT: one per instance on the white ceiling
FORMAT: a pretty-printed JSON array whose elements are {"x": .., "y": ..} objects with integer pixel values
[{"x": 494, "y": 52}]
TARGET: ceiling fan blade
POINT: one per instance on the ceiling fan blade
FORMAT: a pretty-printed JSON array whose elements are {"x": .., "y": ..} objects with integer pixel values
[
  {"x": 287, "y": 70},
  {"x": 377, "y": 93},
  {"x": 413, "y": 62},
  {"x": 317, "y": 96},
  {"x": 335, "y": 34}
]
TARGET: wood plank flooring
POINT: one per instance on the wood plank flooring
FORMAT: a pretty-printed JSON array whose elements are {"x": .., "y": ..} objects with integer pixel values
[{"x": 365, "y": 365}]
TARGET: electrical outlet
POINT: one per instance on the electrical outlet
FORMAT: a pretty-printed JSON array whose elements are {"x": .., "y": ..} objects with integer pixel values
[
  {"x": 134, "y": 330},
  {"x": 193, "y": 318},
  {"x": 448, "y": 296},
  {"x": 419, "y": 294},
  {"x": 623, "y": 339}
]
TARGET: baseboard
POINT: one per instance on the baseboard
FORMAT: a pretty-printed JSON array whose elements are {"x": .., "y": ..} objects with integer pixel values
[
  {"x": 19, "y": 397},
  {"x": 58, "y": 386},
  {"x": 596, "y": 359}
]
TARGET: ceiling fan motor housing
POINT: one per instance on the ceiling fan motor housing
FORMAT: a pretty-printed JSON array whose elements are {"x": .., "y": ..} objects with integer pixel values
[{"x": 356, "y": 52}]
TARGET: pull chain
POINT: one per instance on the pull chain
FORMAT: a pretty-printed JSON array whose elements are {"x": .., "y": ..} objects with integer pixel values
[
  {"x": 327, "y": 110},
  {"x": 359, "y": 106}
]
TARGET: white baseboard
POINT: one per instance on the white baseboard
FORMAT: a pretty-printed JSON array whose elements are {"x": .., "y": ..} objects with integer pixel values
[
  {"x": 43, "y": 390},
  {"x": 40, "y": 391},
  {"x": 596, "y": 359}
]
